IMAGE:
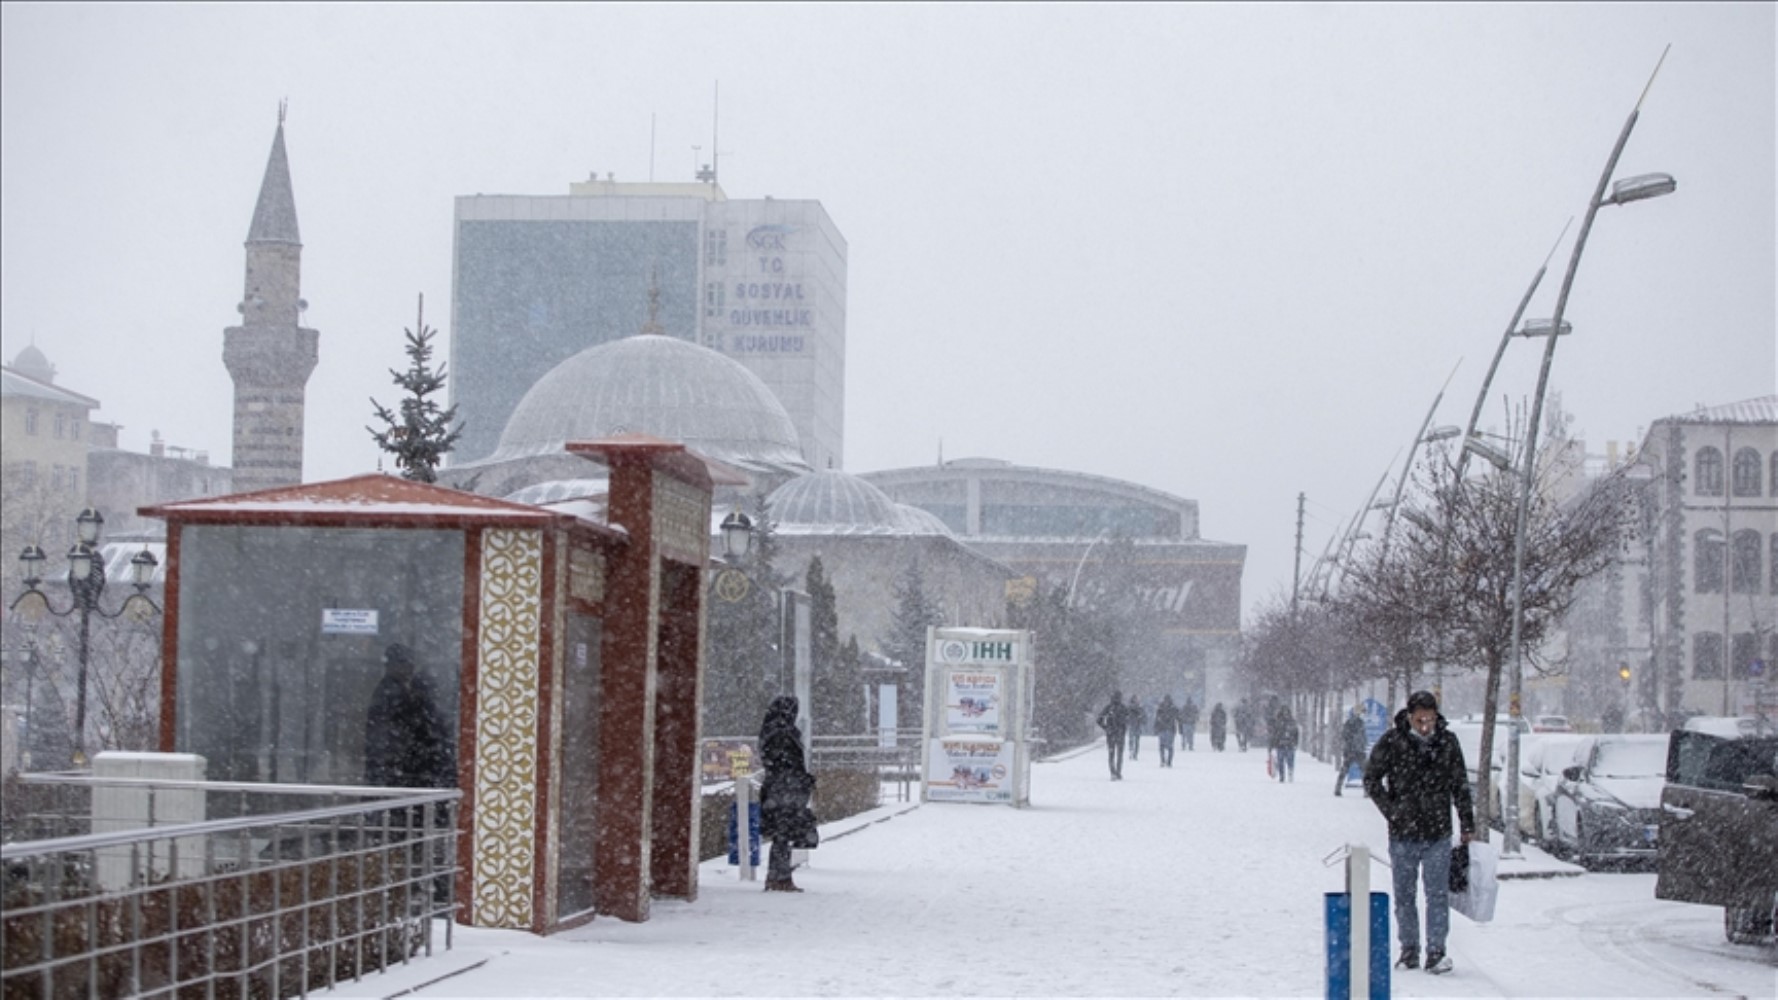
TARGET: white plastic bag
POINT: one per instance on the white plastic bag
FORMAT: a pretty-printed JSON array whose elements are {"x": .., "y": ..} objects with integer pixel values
[{"x": 1477, "y": 902}]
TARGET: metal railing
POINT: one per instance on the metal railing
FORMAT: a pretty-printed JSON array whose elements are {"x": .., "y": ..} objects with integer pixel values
[{"x": 221, "y": 889}]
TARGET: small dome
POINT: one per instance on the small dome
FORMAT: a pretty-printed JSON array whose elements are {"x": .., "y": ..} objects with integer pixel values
[
  {"x": 920, "y": 521},
  {"x": 32, "y": 363},
  {"x": 835, "y": 503},
  {"x": 657, "y": 385}
]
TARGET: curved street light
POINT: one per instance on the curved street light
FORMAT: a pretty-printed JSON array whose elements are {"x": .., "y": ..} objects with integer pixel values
[
  {"x": 1629, "y": 190},
  {"x": 86, "y": 584}
]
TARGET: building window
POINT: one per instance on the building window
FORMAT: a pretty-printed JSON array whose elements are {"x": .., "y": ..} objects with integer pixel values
[
  {"x": 1746, "y": 473},
  {"x": 1746, "y": 562},
  {"x": 31, "y": 422},
  {"x": 74, "y": 481},
  {"x": 1707, "y": 656},
  {"x": 74, "y": 428},
  {"x": 55, "y": 478},
  {"x": 61, "y": 425},
  {"x": 1772, "y": 478},
  {"x": 1745, "y": 651},
  {"x": 716, "y": 248},
  {"x": 1707, "y": 478},
  {"x": 1707, "y": 562},
  {"x": 1773, "y": 563},
  {"x": 714, "y": 293}
]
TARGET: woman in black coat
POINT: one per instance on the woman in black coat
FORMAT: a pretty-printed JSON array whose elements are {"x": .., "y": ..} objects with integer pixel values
[{"x": 784, "y": 815}]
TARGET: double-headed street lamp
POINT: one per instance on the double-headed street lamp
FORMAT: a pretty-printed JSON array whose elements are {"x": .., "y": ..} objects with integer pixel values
[
  {"x": 86, "y": 584},
  {"x": 1631, "y": 189}
]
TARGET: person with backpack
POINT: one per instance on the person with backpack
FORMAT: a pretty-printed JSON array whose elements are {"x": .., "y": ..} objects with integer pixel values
[
  {"x": 1353, "y": 746},
  {"x": 1134, "y": 718},
  {"x": 1166, "y": 725},
  {"x": 1284, "y": 740},
  {"x": 1112, "y": 719}
]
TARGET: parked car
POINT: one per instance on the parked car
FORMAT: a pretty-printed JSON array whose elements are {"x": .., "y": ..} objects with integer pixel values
[
  {"x": 1542, "y": 757},
  {"x": 1608, "y": 803},
  {"x": 1719, "y": 828},
  {"x": 1469, "y": 737},
  {"x": 1731, "y": 726},
  {"x": 1551, "y": 724}
]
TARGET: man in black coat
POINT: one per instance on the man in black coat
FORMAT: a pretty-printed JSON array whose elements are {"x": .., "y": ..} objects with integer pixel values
[
  {"x": 407, "y": 743},
  {"x": 1416, "y": 774},
  {"x": 1113, "y": 719}
]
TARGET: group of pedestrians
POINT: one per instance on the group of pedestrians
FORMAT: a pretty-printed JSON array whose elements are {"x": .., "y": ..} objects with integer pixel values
[
  {"x": 1123, "y": 723},
  {"x": 1415, "y": 776}
]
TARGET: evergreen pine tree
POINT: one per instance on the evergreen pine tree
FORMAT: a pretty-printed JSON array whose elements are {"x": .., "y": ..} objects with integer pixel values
[
  {"x": 421, "y": 435},
  {"x": 744, "y": 667},
  {"x": 905, "y": 641},
  {"x": 835, "y": 692}
]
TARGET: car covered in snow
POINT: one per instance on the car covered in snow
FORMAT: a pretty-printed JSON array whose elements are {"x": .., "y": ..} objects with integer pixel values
[
  {"x": 1542, "y": 758},
  {"x": 1719, "y": 827},
  {"x": 1607, "y": 807}
]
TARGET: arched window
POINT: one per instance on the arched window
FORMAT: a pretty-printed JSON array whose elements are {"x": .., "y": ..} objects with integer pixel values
[
  {"x": 1746, "y": 562},
  {"x": 1707, "y": 562},
  {"x": 1746, "y": 473},
  {"x": 1707, "y": 473}
]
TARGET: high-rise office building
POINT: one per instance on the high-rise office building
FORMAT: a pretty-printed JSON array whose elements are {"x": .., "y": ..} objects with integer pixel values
[{"x": 538, "y": 279}]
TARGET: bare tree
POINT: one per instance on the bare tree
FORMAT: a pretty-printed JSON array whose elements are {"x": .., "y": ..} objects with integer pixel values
[{"x": 1448, "y": 584}]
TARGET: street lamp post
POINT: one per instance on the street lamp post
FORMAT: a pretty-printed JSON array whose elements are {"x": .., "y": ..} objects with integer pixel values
[
  {"x": 27, "y": 653},
  {"x": 1625, "y": 191},
  {"x": 86, "y": 584}
]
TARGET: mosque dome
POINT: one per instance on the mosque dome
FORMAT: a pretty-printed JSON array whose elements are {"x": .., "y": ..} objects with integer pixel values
[
  {"x": 32, "y": 363},
  {"x": 836, "y": 503},
  {"x": 657, "y": 385},
  {"x": 919, "y": 521}
]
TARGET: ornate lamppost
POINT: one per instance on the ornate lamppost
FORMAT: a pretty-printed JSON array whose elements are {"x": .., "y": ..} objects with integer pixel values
[{"x": 86, "y": 585}]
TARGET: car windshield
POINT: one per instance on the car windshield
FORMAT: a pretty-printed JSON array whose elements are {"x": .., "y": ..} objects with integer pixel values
[{"x": 1631, "y": 760}]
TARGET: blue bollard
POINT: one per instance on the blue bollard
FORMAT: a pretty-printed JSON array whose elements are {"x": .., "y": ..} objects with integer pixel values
[
  {"x": 1339, "y": 946},
  {"x": 734, "y": 853}
]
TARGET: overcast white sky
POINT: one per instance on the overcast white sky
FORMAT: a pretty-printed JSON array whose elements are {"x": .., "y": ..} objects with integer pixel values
[{"x": 1228, "y": 251}]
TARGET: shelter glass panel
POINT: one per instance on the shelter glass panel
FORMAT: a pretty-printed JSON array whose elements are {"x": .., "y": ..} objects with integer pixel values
[{"x": 282, "y": 635}]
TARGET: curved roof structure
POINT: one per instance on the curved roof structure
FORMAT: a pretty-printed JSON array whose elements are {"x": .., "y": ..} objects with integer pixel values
[
  {"x": 834, "y": 502},
  {"x": 657, "y": 385}
]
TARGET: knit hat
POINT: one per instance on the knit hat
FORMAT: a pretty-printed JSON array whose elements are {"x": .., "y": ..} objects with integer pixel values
[{"x": 1422, "y": 699}]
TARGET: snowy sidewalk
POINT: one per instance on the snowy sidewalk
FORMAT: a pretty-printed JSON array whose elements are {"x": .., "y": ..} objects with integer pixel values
[{"x": 1205, "y": 879}]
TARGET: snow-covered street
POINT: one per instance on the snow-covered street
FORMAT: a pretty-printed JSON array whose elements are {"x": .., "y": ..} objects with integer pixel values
[{"x": 1205, "y": 879}]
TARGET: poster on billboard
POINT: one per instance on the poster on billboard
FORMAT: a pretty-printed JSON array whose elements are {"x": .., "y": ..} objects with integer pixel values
[
  {"x": 972, "y": 701},
  {"x": 970, "y": 769}
]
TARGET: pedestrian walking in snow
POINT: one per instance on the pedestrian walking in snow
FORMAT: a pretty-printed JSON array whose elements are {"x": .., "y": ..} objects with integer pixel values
[
  {"x": 1353, "y": 745},
  {"x": 1416, "y": 775},
  {"x": 1112, "y": 719},
  {"x": 784, "y": 815},
  {"x": 1243, "y": 724},
  {"x": 1188, "y": 723},
  {"x": 1134, "y": 718},
  {"x": 1284, "y": 740},
  {"x": 1219, "y": 728},
  {"x": 1166, "y": 725}
]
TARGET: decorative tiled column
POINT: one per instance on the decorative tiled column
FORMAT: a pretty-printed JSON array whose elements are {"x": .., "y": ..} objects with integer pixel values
[{"x": 506, "y": 728}]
